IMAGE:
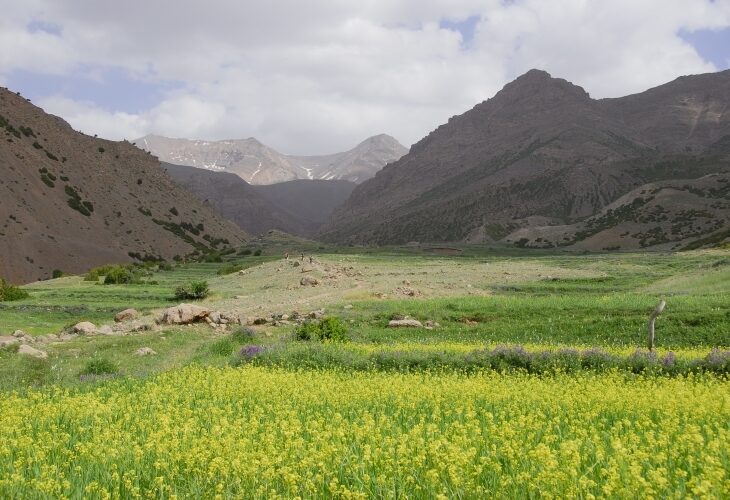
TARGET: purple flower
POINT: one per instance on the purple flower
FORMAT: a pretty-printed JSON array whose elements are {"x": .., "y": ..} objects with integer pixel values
[
  {"x": 668, "y": 360},
  {"x": 250, "y": 351}
]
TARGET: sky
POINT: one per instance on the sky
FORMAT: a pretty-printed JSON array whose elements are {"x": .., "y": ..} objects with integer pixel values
[{"x": 319, "y": 76}]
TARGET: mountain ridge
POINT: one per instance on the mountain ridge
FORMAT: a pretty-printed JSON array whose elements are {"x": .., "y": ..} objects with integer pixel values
[
  {"x": 540, "y": 149},
  {"x": 69, "y": 201},
  {"x": 259, "y": 164}
]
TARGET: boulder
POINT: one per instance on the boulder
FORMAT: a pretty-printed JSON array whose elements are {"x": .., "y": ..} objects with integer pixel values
[
  {"x": 405, "y": 323},
  {"x": 145, "y": 351},
  {"x": 126, "y": 315},
  {"x": 318, "y": 314},
  {"x": 85, "y": 328},
  {"x": 106, "y": 330},
  {"x": 308, "y": 281},
  {"x": 183, "y": 314},
  {"x": 430, "y": 325},
  {"x": 27, "y": 350},
  {"x": 8, "y": 341},
  {"x": 19, "y": 334}
]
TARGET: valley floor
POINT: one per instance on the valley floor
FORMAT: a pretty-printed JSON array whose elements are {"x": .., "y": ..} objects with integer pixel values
[{"x": 528, "y": 377}]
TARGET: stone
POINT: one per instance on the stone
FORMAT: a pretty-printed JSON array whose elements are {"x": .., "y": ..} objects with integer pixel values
[
  {"x": 183, "y": 314},
  {"x": 308, "y": 281},
  {"x": 430, "y": 325},
  {"x": 404, "y": 323},
  {"x": 126, "y": 315},
  {"x": 348, "y": 306},
  {"x": 106, "y": 330},
  {"x": 27, "y": 350},
  {"x": 295, "y": 263},
  {"x": 145, "y": 351},
  {"x": 8, "y": 341},
  {"x": 85, "y": 328},
  {"x": 318, "y": 314},
  {"x": 19, "y": 334},
  {"x": 215, "y": 317}
]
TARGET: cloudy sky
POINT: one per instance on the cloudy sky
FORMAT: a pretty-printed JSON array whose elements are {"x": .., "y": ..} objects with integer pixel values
[{"x": 318, "y": 76}]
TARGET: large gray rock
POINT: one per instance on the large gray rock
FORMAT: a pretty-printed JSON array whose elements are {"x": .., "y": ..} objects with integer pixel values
[
  {"x": 183, "y": 314},
  {"x": 85, "y": 328},
  {"x": 405, "y": 323},
  {"x": 308, "y": 281},
  {"x": 27, "y": 350},
  {"x": 8, "y": 341},
  {"x": 126, "y": 315},
  {"x": 145, "y": 351}
]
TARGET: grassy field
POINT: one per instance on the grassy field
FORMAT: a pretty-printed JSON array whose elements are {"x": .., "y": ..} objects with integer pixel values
[{"x": 390, "y": 412}]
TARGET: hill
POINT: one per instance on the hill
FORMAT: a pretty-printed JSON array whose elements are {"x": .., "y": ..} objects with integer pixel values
[
  {"x": 540, "y": 153},
  {"x": 259, "y": 164},
  {"x": 297, "y": 207},
  {"x": 70, "y": 202}
]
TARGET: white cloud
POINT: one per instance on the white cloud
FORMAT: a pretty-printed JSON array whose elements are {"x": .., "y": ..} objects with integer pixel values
[{"x": 321, "y": 75}]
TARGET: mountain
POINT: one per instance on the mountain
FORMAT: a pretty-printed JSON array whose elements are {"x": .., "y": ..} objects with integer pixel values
[
  {"x": 258, "y": 164},
  {"x": 297, "y": 207},
  {"x": 70, "y": 202},
  {"x": 542, "y": 153}
]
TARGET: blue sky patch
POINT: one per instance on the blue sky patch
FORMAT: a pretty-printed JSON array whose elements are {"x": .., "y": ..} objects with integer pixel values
[
  {"x": 115, "y": 89},
  {"x": 712, "y": 45},
  {"x": 467, "y": 28}
]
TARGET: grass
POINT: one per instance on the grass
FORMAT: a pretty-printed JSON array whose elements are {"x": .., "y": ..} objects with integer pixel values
[{"x": 575, "y": 411}]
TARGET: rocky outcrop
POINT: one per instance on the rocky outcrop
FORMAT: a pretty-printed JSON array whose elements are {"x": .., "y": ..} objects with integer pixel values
[
  {"x": 183, "y": 314},
  {"x": 26, "y": 350},
  {"x": 126, "y": 315}
]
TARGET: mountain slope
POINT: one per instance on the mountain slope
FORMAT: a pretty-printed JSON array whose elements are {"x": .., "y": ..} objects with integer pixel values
[
  {"x": 70, "y": 202},
  {"x": 540, "y": 152},
  {"x": 296, "y": 207},
  {"x": 258, "y": 164}
]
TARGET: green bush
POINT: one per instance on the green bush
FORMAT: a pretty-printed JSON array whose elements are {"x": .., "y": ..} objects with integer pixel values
[
  {"x": 222, "y": 347},
  {"x": 10, "y": 292},
  {"x": 327, "y": 329},
  {"x": 257, "y": 253},
  {"x": 57, "y": 273},
  {"x": 245, "y": 251},
  {"x": 118, "y": 275},
  {"x": 99, "y": 366},
  {"x": 194, "y": 290},
  {"x": 231, "y": 268}
]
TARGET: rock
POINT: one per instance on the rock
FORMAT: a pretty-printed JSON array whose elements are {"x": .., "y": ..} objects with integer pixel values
[
  {"x": 430, "y": 325},
  {"x": 408, "y": 291},
  {"x": 405, "y": 323},
  {"x": 67, "y": 336},
  {"x": 348, "y": 306},
  {"x": 183, "y": 314},
  {"x": 215, "y": 317},
  {"x": 106, "y": 330},
  {"x": 308, "y": 281},
  {"x": 318, "y": 314},
  {"x": 85, "y": 328},
  {"x": 145, "y": 351},
  {"x": 295, "y": 263},
  {"x": 8, "y": 341},
  {"x": 18, "y": 334},
  {"x": 126, "y": 315},
  {"x": 27, "y": 350}
]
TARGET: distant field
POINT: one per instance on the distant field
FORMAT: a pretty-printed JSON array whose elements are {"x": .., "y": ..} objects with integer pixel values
[{"x": 389, "y": 412}]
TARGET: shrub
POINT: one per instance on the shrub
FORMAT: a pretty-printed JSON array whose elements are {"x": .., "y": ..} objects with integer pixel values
[
  {"x": 192, "y": 291},
  {"x": 257, "y": 252},
  {"x": 231, "y": 268},
  {"x": 119, "y": 275},
  {"x": 243, "y": 334},
  {"x": 222, "y": 347},
  {"x": 57, "y": 273},
  {"x": 99, "y": 366},
  {"x": 100, "y": 149},
  {"x": 327, "y": 329},
  {"x": 10, "y": 292},
  {"x": 174, "y": 211},
  {"x": 245, "y": 251}
]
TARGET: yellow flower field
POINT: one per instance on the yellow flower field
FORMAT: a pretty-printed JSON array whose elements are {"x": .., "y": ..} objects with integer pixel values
[{"x": 262, "y": 432}]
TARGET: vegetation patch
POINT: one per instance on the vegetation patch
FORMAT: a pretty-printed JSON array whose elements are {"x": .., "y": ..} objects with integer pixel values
[{"x": 9, "y": 292}]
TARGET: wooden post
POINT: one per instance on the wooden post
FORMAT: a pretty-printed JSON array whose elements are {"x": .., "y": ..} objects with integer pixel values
[{"x": 650, "y": 326}]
